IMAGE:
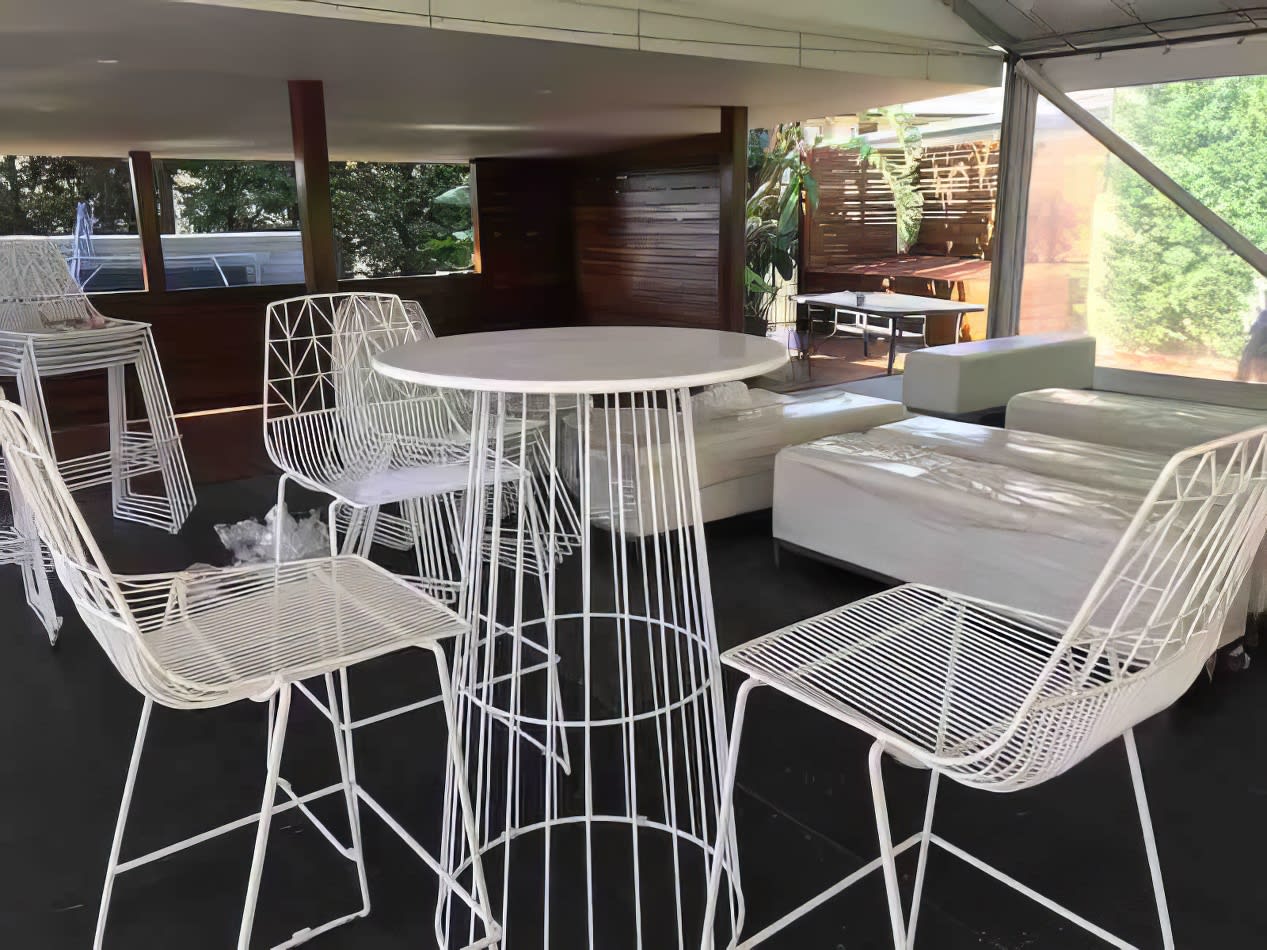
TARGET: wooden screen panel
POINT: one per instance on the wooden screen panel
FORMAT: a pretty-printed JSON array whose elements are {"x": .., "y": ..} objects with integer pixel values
[
  {"x": 646, "y": 237},
  {"x": 855, "y": 220}
]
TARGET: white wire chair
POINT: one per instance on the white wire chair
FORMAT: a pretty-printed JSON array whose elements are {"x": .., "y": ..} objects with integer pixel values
[
  {"x": 48, "y": 327},
  {"x": 335, "y": 425},
  {"x": 190, "y": 640},
  {"x": 999, "y": 699}
]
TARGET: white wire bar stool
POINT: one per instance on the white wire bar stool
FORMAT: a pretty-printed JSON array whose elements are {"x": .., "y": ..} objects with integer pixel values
[
  {"x": 604, "y": 840},
  {"x": 193, "y": 640},
  {"x": 999, "y": 699},
  {"x": 48, "y": 327},
  {"x": 335, "y": 426}
]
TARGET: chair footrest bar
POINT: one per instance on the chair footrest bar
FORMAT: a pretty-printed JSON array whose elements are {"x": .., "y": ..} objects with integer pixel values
[
  {"x": 303, "y": 936},
  {"x": 222, "y": 829},
  {"x": 412, "y": 843},
  {"x": 1029, "y": 892},
  {"x": 822, "y": 898},
  {"x": 320, "y": 825}
]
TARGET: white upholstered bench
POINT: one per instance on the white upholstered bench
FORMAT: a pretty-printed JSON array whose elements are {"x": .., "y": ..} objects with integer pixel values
[
  {"x": 1138, "y": 422},
  {"x": 734, "y": 450},
  {"x": 970, "y": 378}
]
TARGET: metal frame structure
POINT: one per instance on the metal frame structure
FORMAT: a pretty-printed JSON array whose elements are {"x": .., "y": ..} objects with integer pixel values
[
  {"x": 633, "y": 728},
  {"x": 1000, "y": 699},
  {"x": 48, "y": 327},
  {"x": 198, "y": 640},
  {"x": 335, "y": 426}
]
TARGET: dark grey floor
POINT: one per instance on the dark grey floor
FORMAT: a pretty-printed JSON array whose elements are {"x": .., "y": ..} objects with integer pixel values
[{"x": 804, "y": 810}]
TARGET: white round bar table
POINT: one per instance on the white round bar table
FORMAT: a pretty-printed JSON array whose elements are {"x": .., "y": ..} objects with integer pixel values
[{"x": 590, "y": 694}]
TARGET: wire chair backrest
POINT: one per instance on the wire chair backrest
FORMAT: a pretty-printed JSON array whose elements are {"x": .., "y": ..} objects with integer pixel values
[
  {"x": 418, "y": 317},
  {"x": 1151, "y": 619},
  {"x": 37, "y": 290},
  {"x": 39, "y": 490},
  {"x": 322, "y": 394}
]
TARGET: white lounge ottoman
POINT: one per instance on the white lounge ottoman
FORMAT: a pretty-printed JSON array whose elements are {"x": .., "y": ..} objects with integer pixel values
[
  {"x": 968, "y": 378},
  {"x": 735, "y": 452},
  {"x": 1137, "y": 422},
  {"x": 1016, "y": 517}
]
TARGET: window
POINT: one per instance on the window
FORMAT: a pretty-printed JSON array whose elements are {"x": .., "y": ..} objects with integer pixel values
[
  {"x": 85, "y": 205},
  {"x": 401, "y": 219},
  {"x": 1109, "y": 254},
  {"x": 228, "y": 223}
]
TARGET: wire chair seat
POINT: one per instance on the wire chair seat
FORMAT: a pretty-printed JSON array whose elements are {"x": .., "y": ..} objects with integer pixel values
[
  {"x": 237, "y": 633},
  {"x": 939, "y": 677}
]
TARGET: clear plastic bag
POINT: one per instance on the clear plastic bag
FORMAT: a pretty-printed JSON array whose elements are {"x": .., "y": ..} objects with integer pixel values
[{"x": 253, "y": 543}]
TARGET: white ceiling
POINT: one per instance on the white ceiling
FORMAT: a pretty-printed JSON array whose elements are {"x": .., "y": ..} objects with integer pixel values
[
  {"x": 1034, "y": 26},
  {"x": 195, "y": 80}
]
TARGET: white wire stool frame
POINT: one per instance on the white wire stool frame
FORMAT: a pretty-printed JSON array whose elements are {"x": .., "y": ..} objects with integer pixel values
[
  {"x": 205, "y": 639},
  {"x": 335, "y": 426},
  {"x": 1000, "y": 699},
  {"x": 642, "y": 701},
  {"x": 48, "y": 327}
]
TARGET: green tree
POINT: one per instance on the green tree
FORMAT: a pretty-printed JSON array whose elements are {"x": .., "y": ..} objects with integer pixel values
[
  {"x": 397, "y": 218},
  {"x": 901, "y": 174},
  {"x": 779, "y": 177},
  {"x": 39, "y": 194},
  {"x": 226, "y": 196},
  {"x": 1167, "y": 286}
]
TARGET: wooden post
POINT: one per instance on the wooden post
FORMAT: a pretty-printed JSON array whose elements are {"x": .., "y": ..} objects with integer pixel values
[
  {"x": 312, "y": 181},
  {"x": 473, "y": 179},
  {"x": 731, "y": 251},
  {"x": 145, "y": 204}
]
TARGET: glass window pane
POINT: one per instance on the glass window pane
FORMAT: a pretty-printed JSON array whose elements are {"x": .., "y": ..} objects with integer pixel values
[
  {"x": 1109, "y": 254},
  {"x": 85, "y": 205},
  {"x": 401, "y": 219},
  {"x": 228, "y": 223}
]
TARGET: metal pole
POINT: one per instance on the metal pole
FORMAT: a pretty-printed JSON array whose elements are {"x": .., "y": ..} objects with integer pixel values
[{"x": 1134, "y": 159}]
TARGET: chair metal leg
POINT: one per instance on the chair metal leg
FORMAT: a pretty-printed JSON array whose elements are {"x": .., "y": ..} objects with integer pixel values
[
  {"x": 1150, "y": 841},
  {"x": 457, "y": 762},
  {"x": 921, "y": 867},
  {"x": 277, "y": 744},
  {"x": 116, "y": 846},
  {"x": 725, "y": 819},
  {"x": 341, "y": 715},
  {"x": 875, "y": 762}
]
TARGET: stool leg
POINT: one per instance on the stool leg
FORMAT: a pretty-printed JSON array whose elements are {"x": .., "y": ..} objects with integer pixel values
[
  {"x": 116, "y": 396},
  {"x": 177, "y": 484},
  {"x": 277, "y": 742},
  {"x": 888, "y": 862},
  {"x": 116, "y": 845}
]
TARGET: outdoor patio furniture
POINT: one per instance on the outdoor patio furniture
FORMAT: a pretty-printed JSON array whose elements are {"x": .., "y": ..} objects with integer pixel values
[
  {"x": 632, "y": 621},
  {"x": 894, "y": 309},
  {"x": 735, "y": 450},
  {"x": 1136, "y": 422},
  {"x": 971, "y": 378},
  {"x": 207, "y": 638},
  {"x": 1018, "y": 517},
  {"x": 333, "y": 425},
  {"x": 48, "y": 327},
  {"x": 1000, "y": 699}
]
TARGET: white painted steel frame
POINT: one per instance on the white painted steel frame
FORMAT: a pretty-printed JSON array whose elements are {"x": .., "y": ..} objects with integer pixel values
[
  {"x": 48, "y": 327},
  {"x": 634, "y": 734},
  {"x": 196, "y": 640},
  {"x": 1001, "y": 699}
]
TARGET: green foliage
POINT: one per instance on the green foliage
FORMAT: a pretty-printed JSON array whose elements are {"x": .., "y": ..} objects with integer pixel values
[
  {"x": 38, "y": 194},
  {"x": 1167, "y": 286},
  {"x": 226, "y": 196},
  {"x": 901, "y": 176},
  {"x": 393, "y": 218},
  {"x": 778, "y": 176}
]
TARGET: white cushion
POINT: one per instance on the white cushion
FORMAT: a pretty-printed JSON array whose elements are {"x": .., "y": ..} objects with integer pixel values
[
  {"x": 1137, "y": 422},
  {"x": 971, "y": 377}
]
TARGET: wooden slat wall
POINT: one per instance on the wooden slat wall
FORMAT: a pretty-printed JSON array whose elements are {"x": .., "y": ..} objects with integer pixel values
[
  {"x": 855, "y": 217},
  {"x": 645, "y": 230}
]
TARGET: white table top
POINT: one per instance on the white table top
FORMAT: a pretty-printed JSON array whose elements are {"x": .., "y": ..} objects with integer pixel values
[
  {"x": 583, "y": 359},
  {"x": 882, "y": 304}
]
